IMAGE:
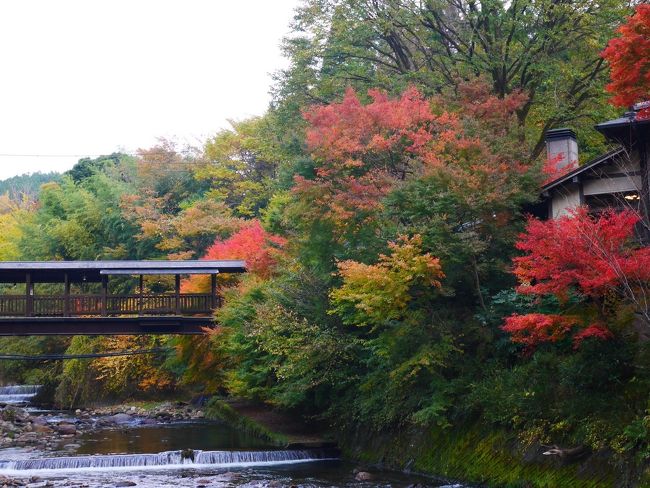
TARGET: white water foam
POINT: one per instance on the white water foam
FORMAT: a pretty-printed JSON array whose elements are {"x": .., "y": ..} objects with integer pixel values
[
  {"x": 18, "y": 393},
  {"x": 165, "y": 461}
]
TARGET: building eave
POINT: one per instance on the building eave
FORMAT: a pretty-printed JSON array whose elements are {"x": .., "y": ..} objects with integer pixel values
[{"x": 602, "y": 159}]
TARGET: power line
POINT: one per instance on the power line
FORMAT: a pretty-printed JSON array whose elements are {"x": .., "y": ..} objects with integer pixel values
[
  {"x": 45, "y": 357},
  {"x": 120, "y": 153}
]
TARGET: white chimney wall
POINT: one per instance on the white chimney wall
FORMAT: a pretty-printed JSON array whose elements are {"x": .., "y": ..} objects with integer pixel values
[{"x": 562, "y": 144}]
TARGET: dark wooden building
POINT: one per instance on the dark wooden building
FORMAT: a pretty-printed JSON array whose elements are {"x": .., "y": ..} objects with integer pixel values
[
  {"x": 619, "y": 178},
  {"x": 76, "y": 311}
]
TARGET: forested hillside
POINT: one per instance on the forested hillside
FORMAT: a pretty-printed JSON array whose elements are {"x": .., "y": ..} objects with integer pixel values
[
  {"x": 379, "y": 203},
  {"x": 26, "y": 186}
]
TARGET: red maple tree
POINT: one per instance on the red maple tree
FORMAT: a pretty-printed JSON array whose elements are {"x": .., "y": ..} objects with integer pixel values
[
  {"x": 589, "y": 255},
  {"x": 363, "y": 151},
  {"x": 629, "y": 60}
]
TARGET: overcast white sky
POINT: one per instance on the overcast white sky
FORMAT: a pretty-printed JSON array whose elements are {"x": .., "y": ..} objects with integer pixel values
[{"x": 81, "y": 77}]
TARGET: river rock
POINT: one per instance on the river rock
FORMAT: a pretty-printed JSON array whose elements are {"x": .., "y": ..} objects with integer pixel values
[
  {"x": 42, "y": 429},
  {"x": 39, "y": 484},
  {"x": 66, "y": 428},
  {"x": 363, "y": 476},
  {"x": 120, "y": 418}
]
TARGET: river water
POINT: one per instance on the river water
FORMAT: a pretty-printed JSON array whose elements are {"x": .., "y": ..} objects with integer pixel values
[{"x": 187, "y": 454}]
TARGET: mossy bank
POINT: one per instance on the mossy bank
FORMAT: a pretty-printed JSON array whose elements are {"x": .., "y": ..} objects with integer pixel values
[{"x": 489, "y": 457}]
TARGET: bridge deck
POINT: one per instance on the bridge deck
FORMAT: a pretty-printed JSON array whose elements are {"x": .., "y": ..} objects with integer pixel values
[{"x": 28, "y": 326}]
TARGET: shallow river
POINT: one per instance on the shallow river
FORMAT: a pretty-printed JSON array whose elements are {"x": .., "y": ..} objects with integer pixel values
[{"x": 187, "y": 454}]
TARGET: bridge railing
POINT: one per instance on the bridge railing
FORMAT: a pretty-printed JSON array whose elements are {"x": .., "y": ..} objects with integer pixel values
[{"x": 101, "y": 305}]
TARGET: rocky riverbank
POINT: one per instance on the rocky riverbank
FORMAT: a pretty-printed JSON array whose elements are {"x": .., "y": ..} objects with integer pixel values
[{"x": 20, "y": 427}]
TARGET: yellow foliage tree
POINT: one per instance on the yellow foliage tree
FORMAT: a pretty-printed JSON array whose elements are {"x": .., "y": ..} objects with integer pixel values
[{"x": 374, "y": 293}]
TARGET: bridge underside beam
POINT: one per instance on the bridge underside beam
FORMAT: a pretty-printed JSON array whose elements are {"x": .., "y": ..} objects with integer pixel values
[{"x": 33, "y": 326}]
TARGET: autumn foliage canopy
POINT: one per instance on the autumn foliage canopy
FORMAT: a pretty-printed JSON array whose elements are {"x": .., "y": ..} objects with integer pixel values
[{"x": 363, "y": 151}]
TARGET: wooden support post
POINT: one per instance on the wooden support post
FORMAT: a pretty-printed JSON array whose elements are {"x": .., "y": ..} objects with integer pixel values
[
  {"x": 141, "y": 306},
  {"x": 177, "y": 292},
  {"x": 213, "y": 290},
  {"x": 104, "y": 294},
  {"x": 66, "y": 295},
  {"x": 29, "y": 292}
]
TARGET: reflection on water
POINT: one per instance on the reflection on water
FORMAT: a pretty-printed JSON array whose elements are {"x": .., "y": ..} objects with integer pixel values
[{"x": 168, "y": 437}]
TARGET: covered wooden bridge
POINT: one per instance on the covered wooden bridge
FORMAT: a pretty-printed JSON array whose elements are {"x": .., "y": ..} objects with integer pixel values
[{"x": 76, "y": 311}]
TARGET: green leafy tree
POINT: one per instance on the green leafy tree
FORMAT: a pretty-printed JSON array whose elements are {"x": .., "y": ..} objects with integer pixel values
[{"x": 241, "y": 165}]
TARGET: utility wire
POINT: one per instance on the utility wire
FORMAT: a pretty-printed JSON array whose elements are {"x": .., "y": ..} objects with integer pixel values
[
  {"x": 46, "y": 357},
  {"x": 8, "y": 155}
]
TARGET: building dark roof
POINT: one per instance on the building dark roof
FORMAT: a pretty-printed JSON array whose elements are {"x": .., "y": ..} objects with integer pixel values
[
  {"x": 589, "y": 165},
  {"x": 92, "y": 271},
  {"x": 627, "y": 128}
]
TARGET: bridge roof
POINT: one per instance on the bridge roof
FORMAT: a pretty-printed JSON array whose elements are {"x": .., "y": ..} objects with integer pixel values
[{"x": 92, "y": 271}]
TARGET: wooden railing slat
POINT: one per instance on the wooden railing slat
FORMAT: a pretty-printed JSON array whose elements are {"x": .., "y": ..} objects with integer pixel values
[{"x": 152, "y": 304}]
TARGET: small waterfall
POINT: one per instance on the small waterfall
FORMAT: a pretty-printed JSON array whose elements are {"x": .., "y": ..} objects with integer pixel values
[
  {"x": 18, "y": 393},
  {"x": 172, "y": 459}
]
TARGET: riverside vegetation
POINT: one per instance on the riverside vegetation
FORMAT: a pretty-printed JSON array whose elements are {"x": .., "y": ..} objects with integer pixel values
[{"x": 379, "y": 203}]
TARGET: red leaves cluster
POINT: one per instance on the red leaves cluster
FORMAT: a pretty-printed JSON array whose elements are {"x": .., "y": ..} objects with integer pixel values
[
  {"x": 344, "y": 132},
  {"x": 552, "y": 171},
  {"x": 629, "y": 60},
  {"x": 590, "y": 255},
  {"x": 597, "y": 331},
  {"x": 363, "y": 150},
  {"x": 581, "y": 252},
  {"x": 479, "y": 102},
  {"x": 252, "y": 243},
  {"x": 534, "y": 328}
]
